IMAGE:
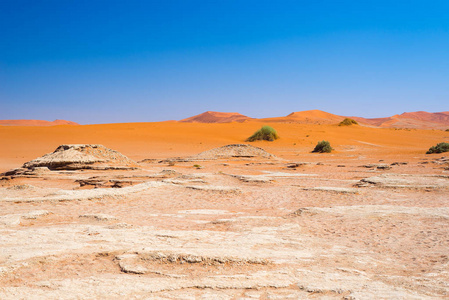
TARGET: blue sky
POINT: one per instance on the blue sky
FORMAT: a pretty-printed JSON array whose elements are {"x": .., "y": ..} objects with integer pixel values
[{"x": 138, "y": 61}]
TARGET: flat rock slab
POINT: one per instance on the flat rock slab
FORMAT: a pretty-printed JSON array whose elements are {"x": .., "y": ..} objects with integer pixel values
[
  {"x": 131, "y": 268},
  {"x": 71, "y": 195},
  {"x": 269, "y": 176},
  {"x": 284, "y": 174},
  {"x": 405, "y": 181},
  {"x": 211, "y": 188},
  {"x": 53, "y": 240},
  {"x": 364, "y": 211},
  {"x": 333, "y": 189},
  {"x": 377, "y": 166},
  {"x": 171, "y": 257},
  {"x": 441, "y": 160},
  {"x": 15, "y": 219},
  {"x": 185, "y": 181},
  {"x": 35, "y": 214},
  {"x": 204, "y": 212},
  {"x": 129, "y": 263},
  {"x": 234, "y": 151},
  {"x": 98, "y": 217},
  {"x": 254, "y": 178},
  {"x": 128, "y": 285},
  {"x": 297, "y": 164}
]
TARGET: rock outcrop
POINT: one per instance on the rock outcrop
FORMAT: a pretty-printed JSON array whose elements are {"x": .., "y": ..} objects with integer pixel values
[
  {"x": 234, "y": 151},
  {"x": 82, "y": 156}
]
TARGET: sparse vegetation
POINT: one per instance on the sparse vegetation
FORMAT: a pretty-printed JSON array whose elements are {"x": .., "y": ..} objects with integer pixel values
[
  {"x": 266, "y": 133},
  {"x": 439, "y": 148},
  {"x": 447, "y": 129},
  {"x": 323, "y": 147},
  {"x": 348, "y": 122},
  {"x": 197, "y": 166}
]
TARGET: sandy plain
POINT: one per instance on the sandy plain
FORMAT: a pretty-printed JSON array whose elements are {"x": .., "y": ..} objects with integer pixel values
[{"x": 368, "y": 221}]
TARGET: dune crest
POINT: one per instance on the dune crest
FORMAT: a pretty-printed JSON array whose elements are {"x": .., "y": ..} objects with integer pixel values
[
  {"x": 307, "y": 117},
  {"x": 216, "y": 117},
  {"x": 417, "y": 120}
]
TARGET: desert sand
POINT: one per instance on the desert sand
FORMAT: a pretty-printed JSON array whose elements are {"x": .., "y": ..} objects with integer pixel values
[{"x": 170, "y": 221}]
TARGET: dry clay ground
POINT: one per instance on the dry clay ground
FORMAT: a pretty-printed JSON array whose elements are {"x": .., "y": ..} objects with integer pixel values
[{"x": 367, "y": 222}]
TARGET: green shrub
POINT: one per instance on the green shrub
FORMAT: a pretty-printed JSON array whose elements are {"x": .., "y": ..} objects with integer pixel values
[
  {"x": 266, "y": 133},
  {"x": 197, "y": 166},
  {"x": 348, "y": 122},
  {"x": 447, "y": 129},
  {"x": 439, "y": 148},
  {"x": 323, "y": 147}
]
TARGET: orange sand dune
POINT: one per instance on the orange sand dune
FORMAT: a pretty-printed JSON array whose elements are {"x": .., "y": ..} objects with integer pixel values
[
  {"x": 307, "y": 117},
  {"x": 419, "y": 119},
  {"x": 216, "y": 117},
  {"x": 170, "y": 139},
  {"x": 373, "y": 121},
  {"x": 439, "y": 117},
  {"x": 416, "y": 120},
  {"x": 35, "y": 123}
]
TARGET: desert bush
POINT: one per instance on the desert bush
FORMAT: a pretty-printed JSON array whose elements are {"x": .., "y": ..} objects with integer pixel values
[
  {"x": 447, "y": 129},
  {"x": 439, "y": 148},
  {"x": 347, "y": 122},
  {"x": 323, "y": 147},
  {"x": 266, "y": 133}
]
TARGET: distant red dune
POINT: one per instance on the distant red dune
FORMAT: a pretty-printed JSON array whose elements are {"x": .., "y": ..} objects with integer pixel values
[
  {"x": 417, "y": 120},
  {"x": 216, "y": 117},
  {"x": 35, "y": 123},
  {"x": 307, "y": 117}
]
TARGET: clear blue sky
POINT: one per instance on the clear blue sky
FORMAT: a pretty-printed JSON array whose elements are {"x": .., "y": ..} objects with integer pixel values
[{"x": 136, "y": 61}]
